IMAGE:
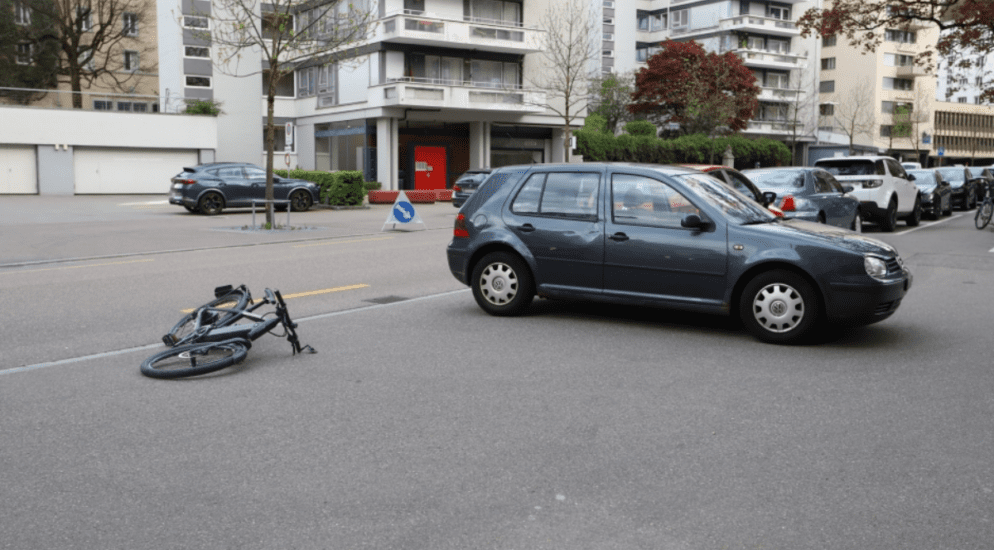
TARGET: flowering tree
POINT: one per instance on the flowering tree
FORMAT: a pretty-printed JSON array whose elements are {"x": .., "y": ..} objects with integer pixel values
[
  {"x": 966, "y": 25},
  {"x": 704, "y": 92}
]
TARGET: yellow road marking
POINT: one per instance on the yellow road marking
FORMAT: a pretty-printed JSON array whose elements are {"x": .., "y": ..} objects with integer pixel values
[
  {"x": 300, "y": 294},
  {"x": 77, "y": 266},
  {"x": 342, "y": 242}
]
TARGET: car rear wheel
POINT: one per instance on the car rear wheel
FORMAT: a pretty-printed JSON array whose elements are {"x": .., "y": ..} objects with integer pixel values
[
  {"x": 779, "y": 307},
  {"x": 915, "y": 217},
  {"x": 300, "y": 201},
  {"x": 502, "y": 284},
  {"x": 211, "y": 204},
  {"x": 889, "y": 220},
  {"x": 857, "y": 222}
]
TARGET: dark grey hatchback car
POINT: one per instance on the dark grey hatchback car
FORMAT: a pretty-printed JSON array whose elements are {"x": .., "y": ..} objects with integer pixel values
[
  {"x": 210, "y": 188},
  {"x": 668, "y": 237}
]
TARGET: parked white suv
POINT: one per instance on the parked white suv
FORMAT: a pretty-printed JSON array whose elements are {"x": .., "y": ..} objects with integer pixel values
[{"x": 885, "y": 191}]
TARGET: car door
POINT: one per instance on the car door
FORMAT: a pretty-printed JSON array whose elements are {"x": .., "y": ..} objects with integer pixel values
[
  {"x": 829, "y": 198},
  {"x": 649, "y": 257},
  {"x": 556, "y": 215},
  {"x": 256, "y": 189},
  {"x": 233, "y": 185},
  {"x": 907, "y": 191}
]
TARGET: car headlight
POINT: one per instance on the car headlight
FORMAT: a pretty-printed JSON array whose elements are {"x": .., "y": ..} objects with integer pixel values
[
  {"x": 870, "y": 184},
  {"x": 875, "y": 267}
]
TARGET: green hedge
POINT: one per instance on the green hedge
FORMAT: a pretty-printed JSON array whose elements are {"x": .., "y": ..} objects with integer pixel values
[
  {"x": 345, "y": 188},
  {"x": 640, "y": 145}
]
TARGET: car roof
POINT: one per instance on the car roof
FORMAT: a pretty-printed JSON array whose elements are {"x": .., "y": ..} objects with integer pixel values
[
  {"x": 704, "y": 167},
  {"x": 667, "y": 169},
  {"x": 861, "y": 157}
]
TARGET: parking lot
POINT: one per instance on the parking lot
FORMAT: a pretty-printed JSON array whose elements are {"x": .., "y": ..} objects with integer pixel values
[{"x": 424, "y": 423}]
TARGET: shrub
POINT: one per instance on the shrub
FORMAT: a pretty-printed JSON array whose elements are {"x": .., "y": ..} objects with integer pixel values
[
  {"x": 203, "y": 107},
  {"x": 372, "y": 185},
  {"x": 595, "y": 123},
  {"x": 346, "y": 189},
  {"x": 640, "y": 128}
]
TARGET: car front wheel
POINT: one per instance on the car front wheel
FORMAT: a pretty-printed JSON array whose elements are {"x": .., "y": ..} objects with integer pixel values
[
  {"x": 779, "y": 307},
  {"x": 211, "y": 204},
  {"x": 502, "y": 284},
  {"x": 300, "y": 201},
  {"x": 915, "y": 217},
  {"x": 889, "y": 219}
]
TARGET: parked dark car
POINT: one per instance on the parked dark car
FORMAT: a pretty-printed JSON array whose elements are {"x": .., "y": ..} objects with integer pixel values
[
  {"x": 466, "y": 185},
  {"x": 739, "y": 181},
  {"x": 210, "y": 188},
  {"x": 937, "y": 195},
  {"x": 669, "y": 237},
  {"x": 964, "y": 191},
  {"x": 810, "y": 194}
]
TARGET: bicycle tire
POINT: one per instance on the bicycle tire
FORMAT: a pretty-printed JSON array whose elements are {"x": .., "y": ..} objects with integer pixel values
[
  {"x": 984, "y": 214},
  {"x": 237, "y": 299},
  {"x": 194, "y": 359}
]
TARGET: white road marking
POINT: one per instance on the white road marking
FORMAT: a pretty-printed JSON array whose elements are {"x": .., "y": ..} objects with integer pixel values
[{"x": 923, "y": 226}]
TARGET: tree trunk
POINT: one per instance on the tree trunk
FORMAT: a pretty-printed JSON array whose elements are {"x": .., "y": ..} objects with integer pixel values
[{"x": 270, "y": 135}]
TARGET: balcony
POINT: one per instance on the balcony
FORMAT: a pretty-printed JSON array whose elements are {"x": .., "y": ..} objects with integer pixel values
[
  {"x": 762, "y": 25},
  {"x": 911, "y": 71},
  {"x": 442, "y": 94},
  {"x": 427, "y": 29},
  {"x": 778, "y": 95},
  {"x": 771, "y": 60},
  {"x": 770, "y": 127}
]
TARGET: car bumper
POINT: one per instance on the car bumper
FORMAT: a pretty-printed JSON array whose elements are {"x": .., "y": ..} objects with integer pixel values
[
  {"x": 867, "y": 303},
  {"x": 458, "y": 258}
]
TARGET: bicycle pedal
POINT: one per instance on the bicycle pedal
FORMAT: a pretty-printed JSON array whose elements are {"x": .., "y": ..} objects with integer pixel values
[{"x": 169, "y": 340}]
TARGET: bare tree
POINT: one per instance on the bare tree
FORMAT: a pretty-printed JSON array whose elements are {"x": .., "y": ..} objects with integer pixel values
[
  {"x": 853, "y": 111},
  {"x": 99, "y": 40},
  {"x": 802, "y": 104},
  {"x": 918, "y": 118},
  {"x": 288, "y": 33},
  {"x": 570, "y": 47}
]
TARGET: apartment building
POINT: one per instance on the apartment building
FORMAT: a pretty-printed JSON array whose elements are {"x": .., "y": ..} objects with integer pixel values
[
  {"x": 440, "y": 87},
  {"x": 763, "y": 34}
]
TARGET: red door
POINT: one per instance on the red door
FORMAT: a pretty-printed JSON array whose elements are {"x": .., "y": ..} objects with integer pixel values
[{"x": 429, "y": 168}]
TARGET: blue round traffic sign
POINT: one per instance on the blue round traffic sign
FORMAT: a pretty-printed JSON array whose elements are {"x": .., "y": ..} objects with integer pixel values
[{"x": 403, "y": 212}]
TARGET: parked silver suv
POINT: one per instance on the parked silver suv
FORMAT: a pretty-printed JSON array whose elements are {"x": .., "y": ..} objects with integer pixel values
[{"x": 885, "y": 191}]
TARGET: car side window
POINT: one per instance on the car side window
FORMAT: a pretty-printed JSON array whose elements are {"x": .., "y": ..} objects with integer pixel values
[
  {"x": 251, "y": 172},
  {"x": 229, "y": 172},
  {"x": 638, "y": 200},
  {"x": 896, "y": 169},
  {"x": 740, "y": 185},
  {"x": 822, "y": 185},
  {"x": 834, "y": 183},
  {"x": 879, "y": 165},
  {"x": 567, "y": 194}
]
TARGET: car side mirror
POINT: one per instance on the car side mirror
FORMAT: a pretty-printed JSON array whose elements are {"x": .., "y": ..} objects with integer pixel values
[
  {"x": 847, "y": 189},
  {"x": 693, "y": 221},
  {"x": 911, "y": 177},
  {"x": 769, "y": 197}
]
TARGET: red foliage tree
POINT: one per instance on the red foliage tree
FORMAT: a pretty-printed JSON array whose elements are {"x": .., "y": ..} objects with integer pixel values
[
  {"x": 702, "y": 91},
  {"x": 967, "y": 28}
]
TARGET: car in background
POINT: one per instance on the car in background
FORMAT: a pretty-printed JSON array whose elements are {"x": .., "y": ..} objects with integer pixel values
[
  {"x": 670, "y": 237},
  {"x": 911, "y": 165},
  {"x": 937, "y": 195},
  {"x": 965, "y": 191},
  {"x": 467, "y": 184},
  {"x": 210, "y": 188},
  {"x": 884, "y": 189},
  {"x": 810, "y": 194},
  {"x": 739, "y": 181},
  {"x": 982, "y": 177}
]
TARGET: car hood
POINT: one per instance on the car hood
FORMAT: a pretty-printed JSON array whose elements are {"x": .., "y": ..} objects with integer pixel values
[
  {"x": 926, "y": 187},
  {"x": 827, "y": 235}
]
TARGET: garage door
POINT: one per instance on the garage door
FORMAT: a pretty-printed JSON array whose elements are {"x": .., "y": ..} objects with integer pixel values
[
  {"x": 128, "y": 171},
  {"x": 18, "y": 169}
]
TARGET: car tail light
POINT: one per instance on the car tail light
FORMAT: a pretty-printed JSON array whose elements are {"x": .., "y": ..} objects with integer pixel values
[
  {"x": 787, "y": 204},
  {"x": 456, "y": 189},
  {"x": 185, "y": 182},
  {"x": 460, "y": 228}
]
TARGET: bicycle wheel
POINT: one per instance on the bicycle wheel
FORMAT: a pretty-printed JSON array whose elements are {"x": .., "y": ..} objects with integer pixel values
[
  {"x": 194, "y": 359},
  {"x": 984, "y": 214},
  {"x": 237, "y": 299}
]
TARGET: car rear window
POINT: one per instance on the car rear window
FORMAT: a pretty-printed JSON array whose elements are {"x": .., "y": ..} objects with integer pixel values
[
  {"x": 952, "y": 174},
  {"x": 923, "y": 177},
  {"x": 845, "y": 167},
  {"x": 780, "y": 179},
  {"x": 475, "y": 177}
]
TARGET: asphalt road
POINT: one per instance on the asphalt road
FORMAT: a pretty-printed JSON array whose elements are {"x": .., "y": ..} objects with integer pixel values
[{"x": 424, "y": 423}]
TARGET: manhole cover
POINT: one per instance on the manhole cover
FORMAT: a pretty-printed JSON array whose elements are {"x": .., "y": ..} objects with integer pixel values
[{"x": 387, "y": 299}]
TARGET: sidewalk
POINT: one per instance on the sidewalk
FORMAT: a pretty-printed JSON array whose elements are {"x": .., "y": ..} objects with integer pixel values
[{"x": 38, "y": 229}]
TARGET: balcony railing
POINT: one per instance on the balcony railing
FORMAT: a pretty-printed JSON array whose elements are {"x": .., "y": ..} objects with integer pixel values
[
  {"x": 94, "y": 101},
  {"x": 767, "y": 93},
  {"x": 766, "y": 25},
  {"x": 425, "y": 28},
  {"x": 911, "y": 71},
  {"x": 771, "y": 59},
  {"x": 449, "y": 94},
  {"x": 771, "y": 126}
]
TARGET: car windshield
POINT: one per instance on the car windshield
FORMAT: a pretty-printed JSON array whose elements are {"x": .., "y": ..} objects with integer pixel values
[
  {"x": 472, "y": 177},
  {"x": 952, "y": 174},
  {"x": 738, "y": 208},
  {"x": 779, "y": 179},
  {"x": 923, "y": 178},
  {"x": 977, "y": 171},
  {"x": 843, "y": 167}
]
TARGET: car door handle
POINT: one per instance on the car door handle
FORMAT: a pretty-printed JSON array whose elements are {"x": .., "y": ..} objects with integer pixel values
[
  {"x": 619, "y": 236},
  {"x": 527, "y": 228}
]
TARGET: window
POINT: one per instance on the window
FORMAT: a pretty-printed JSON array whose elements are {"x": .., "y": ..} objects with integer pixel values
[
  {"x": 828, "y": 41},
  {"x": 779, "y": 13},
  {"x": 130, "y": 21},
  {"x": 85, "y": 61},
  {"x": 284, "y": 87},
  {"x": 198, "y": 81},
  {"x": 638, "y": 200},
  {"x": 608, "y": 36},
  {"x": 658, "y": 22},
  {"x": 22, "y": 14},
  {"x": 643, "y": 22},
  {"x": 202, "y": 52},
  {"x": 905, "y": 84},
  {"x": 777, "y": 80},
  {"x": 680, "y": 19},
  {"x": 570, "y": 195},
  {"x": 607, "y": 53},
  {"x": 826, "y": 86},
  {"x": 101, "y": 105},
  {"x": 23, "y": 54},
  {"x": 609, "y": 21},
  {"x": 828, "y": 63},
  {"x": 83, "y": 18},
  {"x": 780, "y": 46},
  {"x": 961, "y": 99},
  {"x": 306, "y": 82},
  {"x": 902, "y": 37},
  {"x": 196, "y": 22},
  {"x": 898, "y": 60},
  {"x": 891, "y": 107},
  {"x": 130, "y": 61},
  {"x": 756, "y": 43},
  {"x": 826, "y": 109}
]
